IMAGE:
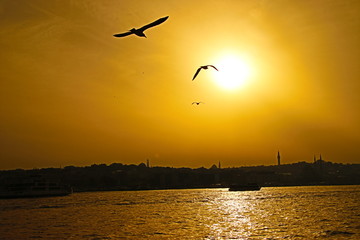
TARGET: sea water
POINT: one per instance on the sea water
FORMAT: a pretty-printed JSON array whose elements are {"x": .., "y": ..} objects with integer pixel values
[{"x": 316, "y": 212}]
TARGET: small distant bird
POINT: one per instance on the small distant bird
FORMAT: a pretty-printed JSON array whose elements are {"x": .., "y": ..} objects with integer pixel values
[
  {"x": 197, "y": 103},
  {"x": 203, "y": 67},
  {"x": 140, "y": 31}
]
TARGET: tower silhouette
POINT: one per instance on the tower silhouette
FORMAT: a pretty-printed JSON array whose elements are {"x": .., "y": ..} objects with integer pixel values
[{"x": 278, "y": 158}]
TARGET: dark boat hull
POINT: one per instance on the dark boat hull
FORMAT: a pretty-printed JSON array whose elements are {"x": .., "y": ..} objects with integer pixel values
[
  {"x": 9, "y": 196},
  {"x": 33, "y": 186},
  {"x": 35, "y": 194},
  {"x": 249, "y": 187}
]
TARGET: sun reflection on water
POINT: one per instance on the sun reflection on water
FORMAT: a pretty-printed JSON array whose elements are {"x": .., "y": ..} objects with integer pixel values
[
  {"x": 233, "y": 220},
  {"x": 272, "y": 213}
]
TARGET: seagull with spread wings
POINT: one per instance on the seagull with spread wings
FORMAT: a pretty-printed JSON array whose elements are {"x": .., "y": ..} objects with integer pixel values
[
  {"x": 197, "y": 103},
  {"x": 203, "y": 67},
  {"x": 140, "y": 31}
]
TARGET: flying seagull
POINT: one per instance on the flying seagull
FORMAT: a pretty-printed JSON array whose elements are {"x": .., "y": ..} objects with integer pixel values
[
  {"x": 140, "y": 31},
  {"x": 203, "y": 67},
  {"x": 197, "y": 103}
]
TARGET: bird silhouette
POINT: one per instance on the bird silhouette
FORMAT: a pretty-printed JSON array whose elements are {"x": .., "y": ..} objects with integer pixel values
[
  {"x": 197, "y": 103},
  {"x": 140, "y": 31},
  {"x": 203, "y": 67}
]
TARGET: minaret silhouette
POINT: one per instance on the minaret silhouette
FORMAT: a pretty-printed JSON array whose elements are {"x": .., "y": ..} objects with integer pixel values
[
  {"x": 147, "y": 163},
  {"x": 219, "y": 165},
  {"x": 278, "y": 158}
]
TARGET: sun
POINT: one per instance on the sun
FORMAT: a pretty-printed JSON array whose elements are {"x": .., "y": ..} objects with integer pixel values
[{"x": 234, "y": 72}]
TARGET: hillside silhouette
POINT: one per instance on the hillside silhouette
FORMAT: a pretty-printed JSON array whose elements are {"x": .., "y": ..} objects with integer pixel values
[{"x": 118, "y": 176}]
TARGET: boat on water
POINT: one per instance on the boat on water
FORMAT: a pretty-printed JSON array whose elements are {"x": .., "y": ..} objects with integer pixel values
[
  {"x": 244, "y": 187},
  {"x": 34, "y": 187}
]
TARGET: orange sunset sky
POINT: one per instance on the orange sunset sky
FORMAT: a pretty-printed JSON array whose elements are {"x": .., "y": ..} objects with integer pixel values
[{"x": 72, "y": 94}]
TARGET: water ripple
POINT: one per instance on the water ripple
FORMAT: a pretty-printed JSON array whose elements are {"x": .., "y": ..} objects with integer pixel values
[{"x": 272, "y": 213}]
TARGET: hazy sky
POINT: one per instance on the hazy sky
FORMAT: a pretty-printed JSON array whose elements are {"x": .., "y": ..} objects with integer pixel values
[{"x": 72, "y": 94}]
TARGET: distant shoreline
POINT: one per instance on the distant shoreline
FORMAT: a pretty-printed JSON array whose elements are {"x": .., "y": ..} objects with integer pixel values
[
  {"x": 120, "y": 177},
  {"x": 155, "y": 189}
]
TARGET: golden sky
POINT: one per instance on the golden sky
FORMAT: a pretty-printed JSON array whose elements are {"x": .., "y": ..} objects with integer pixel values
[{"x": 72, "y": 94}]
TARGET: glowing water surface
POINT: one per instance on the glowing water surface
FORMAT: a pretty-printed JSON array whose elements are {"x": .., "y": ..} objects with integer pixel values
[{"x": 321, "y": 212}]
